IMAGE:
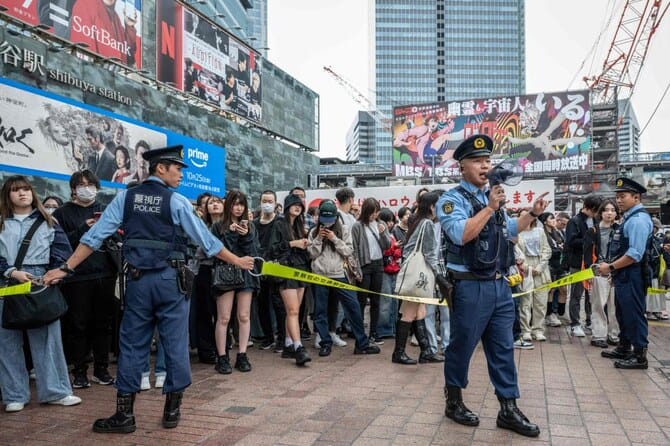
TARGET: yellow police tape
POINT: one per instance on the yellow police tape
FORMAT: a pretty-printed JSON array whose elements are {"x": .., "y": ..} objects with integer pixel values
[
  {"x": 22, "y": 288},
  {"x": 656, "y": 291},
  {"x": 579, "y": 276},
  {"x": 285, "y": 272}
]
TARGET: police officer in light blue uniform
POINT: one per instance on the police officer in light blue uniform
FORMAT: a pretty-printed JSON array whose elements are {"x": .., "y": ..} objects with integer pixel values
[
  {"x": 480, "y": 250},
  {"x": 631, "y": 276},
  {"x": 156, "y": 223}
]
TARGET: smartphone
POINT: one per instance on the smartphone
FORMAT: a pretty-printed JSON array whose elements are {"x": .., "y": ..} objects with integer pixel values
[
  {"x": 97, "y": 215},
  {"x": 244, "y": 223}
]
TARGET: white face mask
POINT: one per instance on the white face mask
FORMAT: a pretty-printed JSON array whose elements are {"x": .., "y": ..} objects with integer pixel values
[
  {"x": 267, "y": 208},
  {"x": 50, "y": 210},
  {"x": 86, "y": 193}
]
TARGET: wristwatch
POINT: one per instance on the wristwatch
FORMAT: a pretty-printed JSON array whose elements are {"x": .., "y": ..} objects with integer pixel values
[
  {"x": 533, "y": 214},
  {"x": 611, "y": 267},
  {"x": 66, "y": 268}
]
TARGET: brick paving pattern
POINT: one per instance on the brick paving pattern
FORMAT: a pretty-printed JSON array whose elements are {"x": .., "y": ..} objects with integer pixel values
[{"x": 577, "y": 398}]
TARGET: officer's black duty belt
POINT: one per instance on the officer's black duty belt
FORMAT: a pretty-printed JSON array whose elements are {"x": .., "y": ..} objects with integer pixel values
[{"x": 459, "y": 275}]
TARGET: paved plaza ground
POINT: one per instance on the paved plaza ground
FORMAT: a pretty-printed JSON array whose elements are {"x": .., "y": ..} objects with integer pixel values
[{"x": 577, "y": 398}]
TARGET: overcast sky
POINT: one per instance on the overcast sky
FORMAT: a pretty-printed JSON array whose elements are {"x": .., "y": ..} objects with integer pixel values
[{"x": 305, "y": 35}]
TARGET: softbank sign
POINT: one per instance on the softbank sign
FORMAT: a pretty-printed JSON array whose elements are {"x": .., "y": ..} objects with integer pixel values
[
  {"x": 100, "y": 35},
  {"x": 197, "y": 157}
]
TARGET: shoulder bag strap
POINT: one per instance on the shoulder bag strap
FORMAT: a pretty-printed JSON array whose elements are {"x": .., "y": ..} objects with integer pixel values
[
  {"x": 419, "y": 244},
  {"x": 25, "y": 243}
]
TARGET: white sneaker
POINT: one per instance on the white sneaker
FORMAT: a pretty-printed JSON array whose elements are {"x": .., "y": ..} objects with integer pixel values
[
  {"x": 413, "y": 341},
  {"x": 250, "y": 343},
  {"x": 14, "y": 407},
  {"x": 337, "y": 340},
  {"x": 523, "y": 345},
  {"x": 317, "y": 341},
  {"x": 553, "y": 321},
  {"x": 539, "y": 337},
  {"x": 145, "y": 384},
  {"x": 577, "y": 331},
  {"x": 160, "y": 380},
  {"x": 526, "y": 337},
  {"x": 69, "y": 400}
]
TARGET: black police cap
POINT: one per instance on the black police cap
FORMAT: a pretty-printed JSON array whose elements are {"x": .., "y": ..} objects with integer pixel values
[
  {"x": 173, "y": 154},
  {"x": 624, "y": 184},
  {"x": 476, "y": 145}
]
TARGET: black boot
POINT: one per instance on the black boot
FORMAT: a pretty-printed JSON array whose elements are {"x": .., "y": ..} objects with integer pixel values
[
  {"x": 123, "y": 421},
  {"x": 621, "y": 351},
  {"x": 223, "y": 365},
  {"x": 422, "y": 336},
  {"x": 399, "y": 356},
  {"x": 510, "y": 417},
  {"x": 171, "y": 412},
  {"x": 301, "y": 356},
  {"x": 638, "y": 361},
  {"x": 456, "y": 410}
]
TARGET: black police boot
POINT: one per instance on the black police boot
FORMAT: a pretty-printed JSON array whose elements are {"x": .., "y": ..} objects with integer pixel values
[
  {"x": 510, "y": 417},
  {"x": 123, "y": 421},
  {"x": 456, "y": 409},
  {"x": 421, "y": 334},
  {"x": 171, "y": 412},
  {"x": 636, "y": 362},
  {"x": 621, "y": 351},
  {"x": 401, "y": 333}
]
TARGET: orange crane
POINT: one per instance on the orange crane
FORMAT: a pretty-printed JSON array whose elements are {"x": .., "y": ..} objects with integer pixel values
[
  {"x": 380, "y": 118},
  {"x": 637, "y": 25}
]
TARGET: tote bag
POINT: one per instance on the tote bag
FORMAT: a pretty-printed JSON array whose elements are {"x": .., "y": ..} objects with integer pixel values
[{"x": 416, "y": 277}]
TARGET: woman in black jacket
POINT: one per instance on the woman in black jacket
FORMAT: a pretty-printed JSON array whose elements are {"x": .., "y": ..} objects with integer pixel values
[
  {"x": 288, "y": 244},
  {"x": 556, "y": 268},
  {"x": 239, "y": 237}
]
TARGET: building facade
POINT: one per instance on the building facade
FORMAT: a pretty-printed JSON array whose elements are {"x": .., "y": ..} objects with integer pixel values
[
  {"x": 441, "y": 50},
  {"x": 360, "y": 139},
  {"x": 628, "y": 132}
]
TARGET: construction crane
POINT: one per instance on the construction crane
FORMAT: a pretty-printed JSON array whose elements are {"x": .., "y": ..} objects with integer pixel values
[
  {"x": 628, "y": 50},
  {"x": 380, "y": 118}
]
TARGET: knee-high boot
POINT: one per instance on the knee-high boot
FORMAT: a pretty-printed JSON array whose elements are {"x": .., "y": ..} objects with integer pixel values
[
  {"x": 401, "y": 333},
  {"x": 422, "y": 336}
]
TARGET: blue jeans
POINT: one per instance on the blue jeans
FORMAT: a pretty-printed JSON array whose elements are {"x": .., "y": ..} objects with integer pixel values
[
  {"x": 159, "y": 365},
  {"x": 352, "y": 311},
  {"x": 444, "y": 327},
  {"x": 46, "y": 347},
  {"x": 388, "y": 307}
]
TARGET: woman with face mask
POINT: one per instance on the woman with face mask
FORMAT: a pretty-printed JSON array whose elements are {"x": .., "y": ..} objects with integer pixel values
[
  {"x": 90, "y": 292},
  {"x": 329, "y": 246},
  {"x": 51, "y": 203}
]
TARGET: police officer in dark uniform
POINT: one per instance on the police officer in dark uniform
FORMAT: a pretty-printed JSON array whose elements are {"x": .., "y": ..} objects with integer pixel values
[
  {"x": 156, "y": 223},
  {"x": 631, "y": 276},
  {"x": 479, "y": 253}
]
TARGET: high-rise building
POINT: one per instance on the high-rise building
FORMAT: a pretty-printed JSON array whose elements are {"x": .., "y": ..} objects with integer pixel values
[
  {"x": 628, "y": 132},
  {"x": 442, "y": 50},
  {"x": 258, "y": 26},
  {"x": 360, "y": 139}
]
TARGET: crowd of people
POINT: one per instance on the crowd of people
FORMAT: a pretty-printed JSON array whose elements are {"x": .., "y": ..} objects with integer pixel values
[{"x": 352, "y": 235}]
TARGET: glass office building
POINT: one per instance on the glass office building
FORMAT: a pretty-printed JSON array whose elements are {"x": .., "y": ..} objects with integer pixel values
[{"x": 442, "y": 50}]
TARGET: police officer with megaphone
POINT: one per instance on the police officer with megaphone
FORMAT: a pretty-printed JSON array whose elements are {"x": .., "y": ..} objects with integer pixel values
[{"x": 480, "y": 251}]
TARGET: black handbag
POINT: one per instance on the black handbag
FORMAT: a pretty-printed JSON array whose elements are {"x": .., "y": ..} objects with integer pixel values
[
  {"x": 226, "y": 277},
  {"x": 41, "y": 306}
]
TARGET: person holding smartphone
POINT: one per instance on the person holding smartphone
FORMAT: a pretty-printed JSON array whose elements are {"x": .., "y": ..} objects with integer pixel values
[{"x": 90, "y": 292}]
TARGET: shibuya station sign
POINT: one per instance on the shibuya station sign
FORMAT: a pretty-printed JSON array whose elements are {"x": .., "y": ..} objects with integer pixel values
[
  {"x": 33, "y": 63},
  {"x": 47, "y": 135},
  {"x": 109, "y": 28},
  {"x": 548, "y": 133}
]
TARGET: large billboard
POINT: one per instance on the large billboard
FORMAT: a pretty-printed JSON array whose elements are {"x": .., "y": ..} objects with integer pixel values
[
  {"x": 109, "y": 28},
  {"x": 198, "y": 57},
  {"x": 46, "y": 135},
  {"x": 549, "y": 133}
]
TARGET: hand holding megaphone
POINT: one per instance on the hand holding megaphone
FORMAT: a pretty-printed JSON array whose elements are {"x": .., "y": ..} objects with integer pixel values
[{"x": 510, "y": 173}]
